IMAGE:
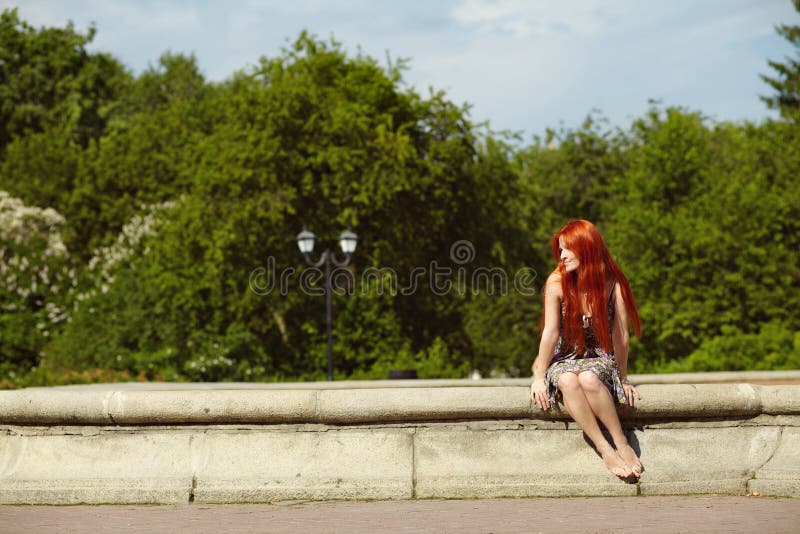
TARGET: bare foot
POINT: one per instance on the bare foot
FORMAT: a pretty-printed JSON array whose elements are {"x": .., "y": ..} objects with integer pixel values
[
  {"x": 627, "y": 453},
  {"x": 614, "y": 462}
]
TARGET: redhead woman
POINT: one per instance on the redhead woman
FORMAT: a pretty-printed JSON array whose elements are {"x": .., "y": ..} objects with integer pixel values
[{"x": 583, "y": 353}]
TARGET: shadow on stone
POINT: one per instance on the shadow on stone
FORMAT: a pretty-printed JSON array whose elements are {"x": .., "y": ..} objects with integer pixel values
[
  {"x": 402, "y": 374},
  {"x": 634, "y": 443}
]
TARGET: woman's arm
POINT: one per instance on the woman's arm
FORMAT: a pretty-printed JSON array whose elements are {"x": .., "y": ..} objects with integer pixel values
[
  {"x": 620, "y": 335},
  {"x": 621, "y": 340},
  {"x": 550, "y": 332},
  {"x": 552, "y": 323}
]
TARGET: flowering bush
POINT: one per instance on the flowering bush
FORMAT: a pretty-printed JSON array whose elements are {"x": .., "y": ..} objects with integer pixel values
[
  {"x": 37, "y": 282},
  {"x": 112, "y": 313},
  {"x": 106, "y": 261}
]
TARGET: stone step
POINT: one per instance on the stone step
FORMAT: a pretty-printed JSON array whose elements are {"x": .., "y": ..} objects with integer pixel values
[{"x": 195, "y": 444}]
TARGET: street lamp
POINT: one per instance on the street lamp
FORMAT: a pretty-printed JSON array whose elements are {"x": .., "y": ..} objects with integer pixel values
[{"x": 347, "y": 242}]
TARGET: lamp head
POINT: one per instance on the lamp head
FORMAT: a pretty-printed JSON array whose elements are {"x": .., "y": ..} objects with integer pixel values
[
  {"x": 348, "y": 241},
  {"x": 305, "y": 241}
]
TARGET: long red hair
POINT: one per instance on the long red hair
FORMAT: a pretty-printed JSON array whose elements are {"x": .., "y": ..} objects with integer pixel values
[{"x": 596, "y": 268}]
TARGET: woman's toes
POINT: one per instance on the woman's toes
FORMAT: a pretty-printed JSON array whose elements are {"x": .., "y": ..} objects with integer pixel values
[
  {"x": 629, "y": 456},
  {"x": 615, "y": 463}
]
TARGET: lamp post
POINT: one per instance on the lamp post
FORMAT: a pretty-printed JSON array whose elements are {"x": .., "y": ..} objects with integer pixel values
[{"x": 347, "y": 241}]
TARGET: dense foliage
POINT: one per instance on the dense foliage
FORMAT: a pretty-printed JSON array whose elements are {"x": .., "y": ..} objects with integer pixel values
[
  {"x": 785, "y": 79},
  {"x": 148, "y": 222}
]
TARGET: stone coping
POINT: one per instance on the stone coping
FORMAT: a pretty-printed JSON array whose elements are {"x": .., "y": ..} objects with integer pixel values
[
  {"x": 792, "y": 376},
  {"x": 323, "y": 405}
]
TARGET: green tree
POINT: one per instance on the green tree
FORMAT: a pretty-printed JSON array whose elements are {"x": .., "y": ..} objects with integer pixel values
[
  {"x": 146, "y": 153},
  {"x": 706, "y": 227},
  {"x": 55, "y": 101},
  {"x": 47, "y": 78},
  {"x": 310, "y": 137},
  {"x": 786, "y": 79}
]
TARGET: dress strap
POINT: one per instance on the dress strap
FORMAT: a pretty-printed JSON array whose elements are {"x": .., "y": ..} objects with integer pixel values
[
  {"x": 611, "y": 293},
  {"x": 611, "y": 311}
]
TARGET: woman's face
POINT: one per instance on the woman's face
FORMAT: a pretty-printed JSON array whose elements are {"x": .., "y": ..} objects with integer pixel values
[{"x": 568, "y": 258}]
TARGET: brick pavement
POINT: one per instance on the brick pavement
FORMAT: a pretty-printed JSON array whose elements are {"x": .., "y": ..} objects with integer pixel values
[{"x": 590, "y": 514}]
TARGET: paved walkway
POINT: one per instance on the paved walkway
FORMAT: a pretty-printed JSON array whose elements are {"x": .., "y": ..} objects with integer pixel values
[{"x": 598, "y": 514}]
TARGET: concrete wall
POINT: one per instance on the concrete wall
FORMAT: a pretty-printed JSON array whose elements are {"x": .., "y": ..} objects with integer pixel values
[{"x": 73, "y": 445}]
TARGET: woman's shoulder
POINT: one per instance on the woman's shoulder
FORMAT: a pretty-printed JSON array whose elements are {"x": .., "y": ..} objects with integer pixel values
[
  {"x": 554, "y": 279},
  {"x": 553, "y": 284}
]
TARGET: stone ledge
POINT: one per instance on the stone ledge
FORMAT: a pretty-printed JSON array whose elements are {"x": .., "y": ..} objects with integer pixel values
[
  {"x": 347, "y": 406},
  {"x": 752, "y": 377},
  {"x": 68, "y": 446}
]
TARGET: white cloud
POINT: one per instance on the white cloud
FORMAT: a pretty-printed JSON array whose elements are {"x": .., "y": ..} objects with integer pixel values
[
  {"x": 524, "y": 64},
  {"x": 534, "y": 62},
  {"x": 525, "y": 18}
]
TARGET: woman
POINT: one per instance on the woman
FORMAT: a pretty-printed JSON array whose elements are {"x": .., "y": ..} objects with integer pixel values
[{"x": 583, "y": 354}]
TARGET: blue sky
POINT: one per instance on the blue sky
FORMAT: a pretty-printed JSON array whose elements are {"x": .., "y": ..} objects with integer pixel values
[{"x": 523, "y": 65}]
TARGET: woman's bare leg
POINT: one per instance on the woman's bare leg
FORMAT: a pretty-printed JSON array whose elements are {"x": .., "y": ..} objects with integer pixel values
[
  {"x": 578, "y": 407},
  {"x": 602, "y": 405}
]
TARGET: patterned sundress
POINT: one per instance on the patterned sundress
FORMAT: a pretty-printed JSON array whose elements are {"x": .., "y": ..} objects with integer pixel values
[{"x": 593, "y": 358}]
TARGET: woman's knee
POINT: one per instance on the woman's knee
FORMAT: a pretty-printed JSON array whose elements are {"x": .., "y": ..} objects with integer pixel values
[
  {"x": 568, "y": 382},
  {"x": 589, "y": 381}
]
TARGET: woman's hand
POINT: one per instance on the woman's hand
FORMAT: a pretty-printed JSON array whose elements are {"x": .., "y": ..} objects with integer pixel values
[
  {"x": 630, "y": 390},
  {"x": 539, "y": 393}
]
